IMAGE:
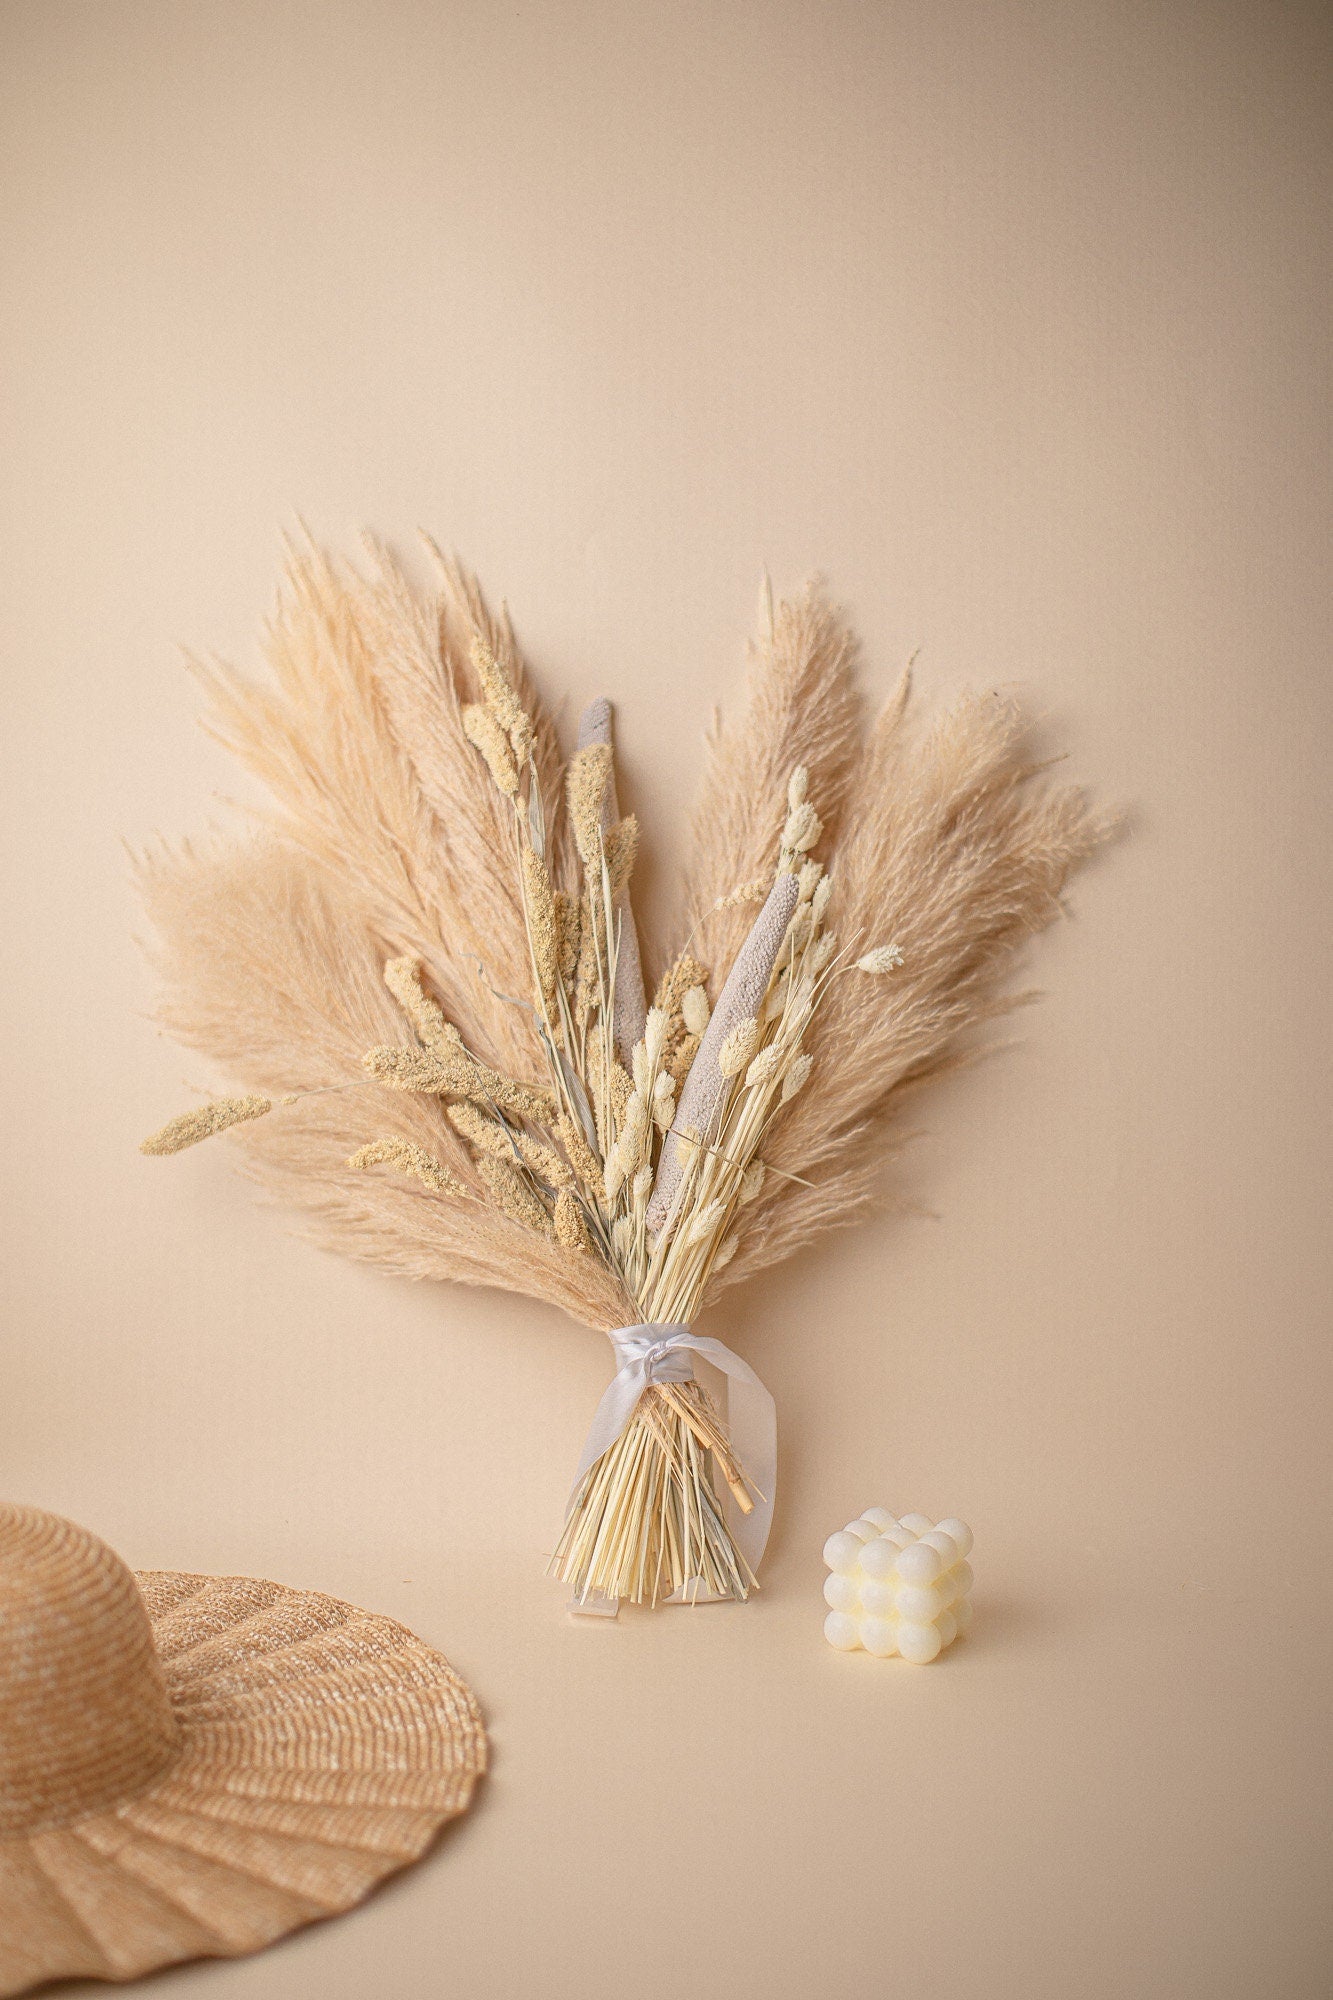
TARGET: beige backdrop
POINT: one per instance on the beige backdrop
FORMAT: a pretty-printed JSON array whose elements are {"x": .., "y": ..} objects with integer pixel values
[{"x": 1012, "y": 319}]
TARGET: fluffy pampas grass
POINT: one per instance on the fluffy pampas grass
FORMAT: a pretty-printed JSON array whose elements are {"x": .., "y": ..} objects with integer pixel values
[{"x": 422, "y": 964}]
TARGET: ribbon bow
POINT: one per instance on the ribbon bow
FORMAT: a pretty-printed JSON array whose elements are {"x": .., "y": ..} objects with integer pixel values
[{"x": 647, "y": 1354}]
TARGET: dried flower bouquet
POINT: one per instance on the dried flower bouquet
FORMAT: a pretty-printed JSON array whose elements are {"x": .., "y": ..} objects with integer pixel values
[{"x": 426, "y": 960}]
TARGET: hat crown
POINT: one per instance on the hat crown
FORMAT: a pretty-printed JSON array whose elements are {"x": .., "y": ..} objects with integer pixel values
[{"x": 85, "y": 1719}]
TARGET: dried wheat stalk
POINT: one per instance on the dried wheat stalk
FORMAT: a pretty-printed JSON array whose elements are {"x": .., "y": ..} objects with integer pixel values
[{"x": 423, "y": 964}]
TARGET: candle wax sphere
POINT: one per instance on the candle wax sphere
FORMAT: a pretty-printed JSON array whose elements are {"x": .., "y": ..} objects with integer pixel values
[
  {"x": 841, "y": 1593},
  {"x": 945, "y": 1546},
  {"x": 842, "y": 1552},
  {"x": 917, "y": 1523},
  {"x": 919, "y": 1563},
  {"x": 918, "y": 1643},
  {"x": 878, "y": 1557},
  {"x": 841, "y": 1631},
  {"x": 946, "y": 1587},
  {"x": 959, "y": 1533},
  {"x": 918, "y": 1602},
  {"x": 880, "y": 1637}
]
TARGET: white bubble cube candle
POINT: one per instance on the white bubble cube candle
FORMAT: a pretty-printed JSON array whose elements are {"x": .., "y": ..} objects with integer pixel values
[{"x": 898, "y": 1586}]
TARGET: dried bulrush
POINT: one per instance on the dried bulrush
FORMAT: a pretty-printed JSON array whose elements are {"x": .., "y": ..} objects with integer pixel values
[{"x": 494, "y": 1099}]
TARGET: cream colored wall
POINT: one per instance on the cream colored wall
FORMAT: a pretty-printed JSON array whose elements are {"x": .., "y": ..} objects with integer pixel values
[{"x": 1012, "y": 319}]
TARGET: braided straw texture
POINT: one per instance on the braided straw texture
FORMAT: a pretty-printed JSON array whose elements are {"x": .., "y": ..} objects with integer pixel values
[{"x": 317, "y": 1748}]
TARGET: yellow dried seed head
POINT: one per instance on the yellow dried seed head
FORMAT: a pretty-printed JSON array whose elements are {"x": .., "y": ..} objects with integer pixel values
[
  {"x": 567, "y": 922},
  {"x": 820, "y": 952},
  {"x": 631, "y": 1148},
  {"x": 592, "y": 934},
  {"x": 681, "y": 1057},
  {"x": 749, "y": 892},
  {"x": 448, "y": 1069},
  {"x": 752, "y": 1180},
  {"x": 403, "y": 977},
  {"x": 191, "y": 1126},
  {"x": 798, "y": 786},
  {"x": 884, "y": 958},
  {"x": 655, "y": 1034},
  {"x": 705, "y": 1222},
  {"x": 726, "y": 1251},
  {"x": 412, "y": 1160},
  {"x": 412, "y": 1069},
  {"x": 613, "y": 1174},
  {"x": 622, "y": 1238},
  {"x": 622, "y": 847},
  {"x": 571, "y": 1228},
  {"x": 763, "y": 1069},
  {"x": 685, "y": 972},
  {"x": 775, "y": 1005},
  {"x": 578, "y": 1152},
  {"x": 523, "y": 1099},
  {"x": 803, "y": 829},
  {"x": 621, "y": 1085},
  {"x": 795, "y": 1077},
  {"x": 739, "y": 1046},
  {"x": 543, "y": 1160},
  {"x": 479, "y": 1129},
  {"x": 820, "y": 900},
  {"x": 586, "y": 781},
  {"x": 523, "y": 736},
  {"x": 809, "y": 878},
  {"x": 511, "y": 1193},
  {"x": 539, "y": 906},
  {"x": 694, "y": 1009},
  {"x": 481, "y": 729},
  {"x": 501, "y": 699}
]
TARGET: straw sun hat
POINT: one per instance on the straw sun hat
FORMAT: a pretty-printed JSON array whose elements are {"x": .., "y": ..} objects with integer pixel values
[{"x": 191, "y": 1766}]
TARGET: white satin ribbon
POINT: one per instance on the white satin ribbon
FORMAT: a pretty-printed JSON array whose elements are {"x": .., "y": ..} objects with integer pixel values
[{"x": 648, "y": 1354}]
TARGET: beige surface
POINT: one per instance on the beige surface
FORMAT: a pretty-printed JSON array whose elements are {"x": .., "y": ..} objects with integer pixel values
[{"x": 1012, "y": 318}]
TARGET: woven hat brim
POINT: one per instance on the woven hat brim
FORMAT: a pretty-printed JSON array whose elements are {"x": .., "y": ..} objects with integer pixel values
[{"x": 322, "y": 1747}]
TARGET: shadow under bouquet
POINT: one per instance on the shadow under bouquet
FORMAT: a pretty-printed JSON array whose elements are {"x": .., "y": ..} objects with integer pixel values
[{"x": 423, "y": 964}]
